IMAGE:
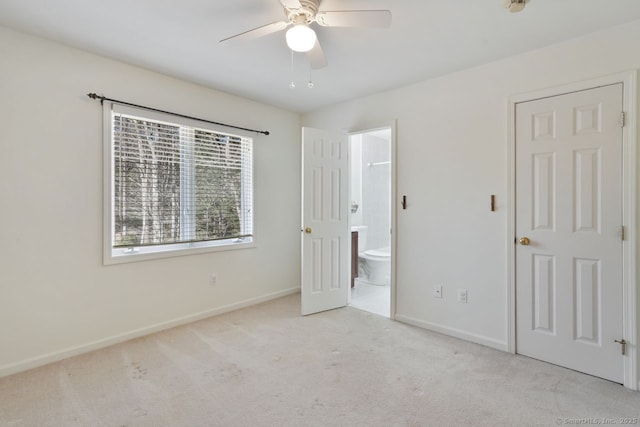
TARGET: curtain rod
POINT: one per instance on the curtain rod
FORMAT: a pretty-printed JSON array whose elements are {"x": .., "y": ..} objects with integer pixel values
[{"x": 104, "y": 98}]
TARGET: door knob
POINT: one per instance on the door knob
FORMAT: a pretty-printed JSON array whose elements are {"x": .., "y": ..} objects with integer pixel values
[
  {"x": 524, "y": 241},
  {"x": 307, "y": 230}
]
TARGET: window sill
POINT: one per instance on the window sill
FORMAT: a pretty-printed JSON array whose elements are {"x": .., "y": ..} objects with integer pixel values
[{"x": 122, "y": 256}]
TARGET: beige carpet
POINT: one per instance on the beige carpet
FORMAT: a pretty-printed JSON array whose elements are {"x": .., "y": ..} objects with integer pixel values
[{"x": 267, "y": 366}]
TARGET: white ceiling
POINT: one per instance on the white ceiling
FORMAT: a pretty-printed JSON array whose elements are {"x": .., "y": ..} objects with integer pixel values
[{"x": 427, "y": 38}]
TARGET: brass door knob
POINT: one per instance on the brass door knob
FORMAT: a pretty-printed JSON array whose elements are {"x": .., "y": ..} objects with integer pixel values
[
  {"x": 307, "y": 230},
  {"x": 524, "y": 241}
]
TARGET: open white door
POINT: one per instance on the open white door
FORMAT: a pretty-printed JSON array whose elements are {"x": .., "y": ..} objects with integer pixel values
[{"x": 325, "y": 220}]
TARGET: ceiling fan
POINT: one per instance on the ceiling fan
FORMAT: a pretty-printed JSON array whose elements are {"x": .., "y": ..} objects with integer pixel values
[{"x": 300, "y": 14}]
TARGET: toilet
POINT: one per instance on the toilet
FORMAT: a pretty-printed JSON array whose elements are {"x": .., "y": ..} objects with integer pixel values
[
  {"x": 378, "y": 264},
  {"x": 374, "y": 265}
]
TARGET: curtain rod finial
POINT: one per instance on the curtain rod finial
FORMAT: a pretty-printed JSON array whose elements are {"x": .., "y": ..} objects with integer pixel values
[{"x": 94, "y": 95}]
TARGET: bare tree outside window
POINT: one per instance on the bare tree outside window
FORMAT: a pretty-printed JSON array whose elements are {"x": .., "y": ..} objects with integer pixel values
[{"x": 176, "y": 184}]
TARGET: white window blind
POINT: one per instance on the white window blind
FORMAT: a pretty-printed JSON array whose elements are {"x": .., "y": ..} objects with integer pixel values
[{"x": 177, "y": 184}]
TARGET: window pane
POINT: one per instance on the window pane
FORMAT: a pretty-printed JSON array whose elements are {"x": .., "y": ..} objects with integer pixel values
[
  {"x": 218, "y": 186},
  {"x": 146, "y": 182}
]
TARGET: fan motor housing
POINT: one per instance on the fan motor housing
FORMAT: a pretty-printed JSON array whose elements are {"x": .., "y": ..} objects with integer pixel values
[
  {"x": 306, "y": 14},
  {"x": 515, "y": 5}
]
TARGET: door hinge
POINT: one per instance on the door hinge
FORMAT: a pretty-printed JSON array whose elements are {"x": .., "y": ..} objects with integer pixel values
[
  {"x": 622, "y": 234},
  {"x": 623, "y": 119}
]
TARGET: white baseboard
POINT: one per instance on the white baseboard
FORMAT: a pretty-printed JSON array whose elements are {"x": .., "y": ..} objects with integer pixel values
[
  {"x": 45, "y": 359},
  {"x": 456, "y": 333}
]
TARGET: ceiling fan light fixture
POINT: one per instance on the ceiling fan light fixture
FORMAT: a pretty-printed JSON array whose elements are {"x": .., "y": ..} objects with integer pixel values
[{"x": 301, "y": 38}]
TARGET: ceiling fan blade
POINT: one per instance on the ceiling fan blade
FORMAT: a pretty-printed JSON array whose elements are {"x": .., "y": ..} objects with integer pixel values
[
  {"x": 316, "y": 57},
  {"x": 355, "y": 18},
  {"x": 258, "y": 32},
  {"x": 291, "y": 4}
]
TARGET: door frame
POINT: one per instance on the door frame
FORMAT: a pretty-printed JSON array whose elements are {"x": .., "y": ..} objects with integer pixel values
[
  {"x": 394, "y": 205},
  {"x": 629, "y": 209}
]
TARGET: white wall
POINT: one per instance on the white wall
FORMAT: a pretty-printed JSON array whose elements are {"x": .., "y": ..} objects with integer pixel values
[
  {"x": 451, "y": 156},
  {"x": 56, "y": 297}
]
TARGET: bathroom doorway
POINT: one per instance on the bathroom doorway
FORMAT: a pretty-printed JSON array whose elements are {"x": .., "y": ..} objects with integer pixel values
[{"x": 371, "y": 218}]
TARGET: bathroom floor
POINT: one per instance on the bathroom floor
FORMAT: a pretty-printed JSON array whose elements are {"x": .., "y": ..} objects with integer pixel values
[{"x": 371, "y": 298}]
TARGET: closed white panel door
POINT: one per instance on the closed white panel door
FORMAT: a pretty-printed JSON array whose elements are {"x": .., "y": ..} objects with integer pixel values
[
  {"x": 569, "y": 230},
  {"x": 325, "y": 222}
]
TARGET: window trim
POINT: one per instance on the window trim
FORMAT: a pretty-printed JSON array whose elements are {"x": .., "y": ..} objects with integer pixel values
[{"x": 113, "y": 255}]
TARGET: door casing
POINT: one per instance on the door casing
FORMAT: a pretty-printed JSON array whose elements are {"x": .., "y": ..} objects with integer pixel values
[
  {"x": 629, "y": 210},
  {"x": 394, "y": 206}
]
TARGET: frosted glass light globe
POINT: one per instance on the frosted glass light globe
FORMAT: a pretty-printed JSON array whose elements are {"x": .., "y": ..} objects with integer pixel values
[{"x": 301, "y": 38}]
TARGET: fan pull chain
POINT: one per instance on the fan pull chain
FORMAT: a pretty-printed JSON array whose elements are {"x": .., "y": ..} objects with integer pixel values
[
  {"x": 292, "y": 85},
  {"x": 310, "y": 85}
]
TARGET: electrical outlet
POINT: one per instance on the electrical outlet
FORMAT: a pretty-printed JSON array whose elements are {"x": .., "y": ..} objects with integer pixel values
[
  {"x": 213, "y": 279},
  {"x": 462, "y": 296},
  {"x": 437, "y": 291}
]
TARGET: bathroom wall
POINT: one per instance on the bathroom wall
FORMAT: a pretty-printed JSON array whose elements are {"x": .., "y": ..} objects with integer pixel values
[
  {"x": 376, "y": 189},
  {"x": 356, "y": 178}
]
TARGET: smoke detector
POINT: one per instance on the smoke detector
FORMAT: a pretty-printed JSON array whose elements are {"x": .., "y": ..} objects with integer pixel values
[{"x": 515, "y": 5}]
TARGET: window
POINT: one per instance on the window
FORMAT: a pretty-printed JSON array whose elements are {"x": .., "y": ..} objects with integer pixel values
[{"x": 174, "y": 186}]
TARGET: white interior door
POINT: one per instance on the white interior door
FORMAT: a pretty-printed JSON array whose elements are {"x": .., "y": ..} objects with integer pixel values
[
  {"x": 325, "y": 221},
  {"x": 569, "y": 207}
]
